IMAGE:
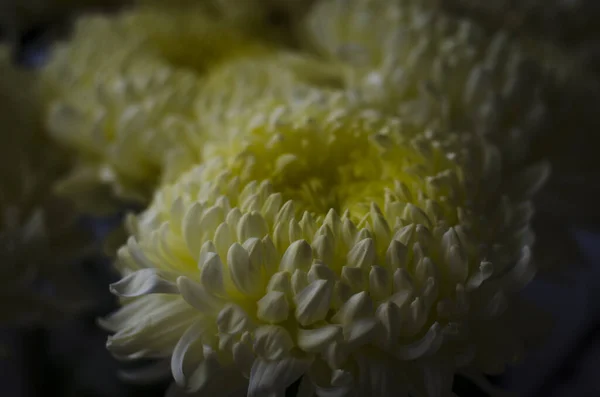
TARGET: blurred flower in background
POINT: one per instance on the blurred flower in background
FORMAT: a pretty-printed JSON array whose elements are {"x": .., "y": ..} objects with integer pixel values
[{"x": 40, "y": 237}]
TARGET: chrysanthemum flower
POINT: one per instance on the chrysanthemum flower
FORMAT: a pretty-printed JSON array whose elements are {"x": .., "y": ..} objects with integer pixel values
[
  {"x": 121, "y": 92},
  {"x": 284, "y": 76},
  {"x": 434, "y": 69},
  {"x": 38, "y": 232},
  {"x": 329, "y": 243}
]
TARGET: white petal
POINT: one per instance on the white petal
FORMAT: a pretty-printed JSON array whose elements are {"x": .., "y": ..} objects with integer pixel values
[
  {"x": 252, "y": 225},
  {"x": 285, "y": 213},
  {"x": 313, "y": 302},
  {"x": 198, "y": 297},
  {"x": 402, "y": 299},
  {"x": 486, "y": 269},
  {"x": 522, "y": 273},
  {"x": 381, "y": 229},
  {"x": 143, "y": 282},
  {"x": 402, "y": 281},
  {"x": 341, "y": 293},
  {"x": 332, "y": 219},
  {"x": 122, "y": 317},
  {"x": 336, "y": 354},
  {"x": 349, "y": 232},
  {"x": 361, "y": 332},
  {"x": 389, "y": 317},
  {"x": 138, "y": 255},
  {"x": 211, "y": 274},
  {"x": 342, "y": 385},
  {"x": 396, "y": 255},
  {"x": 358, "y": 306},
  {"x": 297, "y": 256},
  {"x": 272, "y": 342},
  {"x": 380, "y": 283},
  {"x": 308, "y": 226},
  {"x": 449, "y": 239},
  {"x": 211, "y": 219},
  {"x": 315, "y": 340},
  {"x": 420, "y": 347},
  {"x": 424, "y": 236},
  {"x": 233, "y": 320},
  {"x": 155, "y": 332},
  {"x": 273, "y": 307},
  {"x": 406, "y": 234},
  {"x": 223, "y": 239},
  {"x": 294, "y": 230},
  {"x": 271, "y": 255},
  {"x": 206, "y": 250},
  {"x": 363, "y": 254},
  {"x": 246, "y": 278},
  {"x": 355, "y": 278},
  {"x": 244, "y": 357},
  {"x": 270, "y": 377},
  {"x": 281, "y": 281},
  {"x": 416, "y": 215},
  {"x": 424, "y": 270},
  {"x": 319, "y": 271},
  {"x": 324, "y": 248},
  {"x": 299, "y": 281},
  {"x": 190, "y": 337},
  {"x": 271, "y": 207},
  {"x": 254, "y": 247},
  {"x": 192, "y": 234},
  {"x": 233, "y": 218},
  {"x": 211, "y": 378}
]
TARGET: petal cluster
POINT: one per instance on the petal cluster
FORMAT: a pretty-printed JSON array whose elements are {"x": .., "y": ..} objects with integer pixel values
[
  {"x": 124, "y": 101},
  {"x": 334, "y": 246},
  {"x": 348, "y": 205},
  {"x": 445, "y": 72}
]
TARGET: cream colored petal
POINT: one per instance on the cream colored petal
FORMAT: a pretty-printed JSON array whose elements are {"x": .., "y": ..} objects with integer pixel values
[{"x": 143, "y": 282}]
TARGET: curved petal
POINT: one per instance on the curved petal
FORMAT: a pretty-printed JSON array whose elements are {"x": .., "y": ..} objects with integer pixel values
[
  {"x": 189, "y": 338},
  {"x": 271, "y": 377},
  {"x": 420, "y": 347},
  {"x": 143, "y": 282},
  {"x": 197, "y": 296}
]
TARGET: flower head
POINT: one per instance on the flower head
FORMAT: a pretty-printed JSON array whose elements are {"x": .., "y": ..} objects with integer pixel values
[
  {"x": 121, "y": 93},
  {"x": 436, "y": 70},
  {"x": 329, "y": 243},
  {"x": 227, "y": 91},
  {"x": 38, "y": 232}
]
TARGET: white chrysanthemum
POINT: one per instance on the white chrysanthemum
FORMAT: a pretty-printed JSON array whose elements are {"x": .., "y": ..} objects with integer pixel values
[
  {"x": 229, "y": 89},
  {"x": 121, "y": 93},
  {"x": 38, "y": 232},
  {"x": 333, "y": 245},
  {"x": 433, "y": 69}
]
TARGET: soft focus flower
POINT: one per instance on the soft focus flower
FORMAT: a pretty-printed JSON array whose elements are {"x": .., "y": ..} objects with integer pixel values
[
  {"x": 237, "y": 85},
  {"x": 323, "y": 240},
  {"x": 559, "y": 34},
  {"x": 121, "y": 94},
  {"x": 433, "y": 69},
  {"x": 38, "y": 232}
]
